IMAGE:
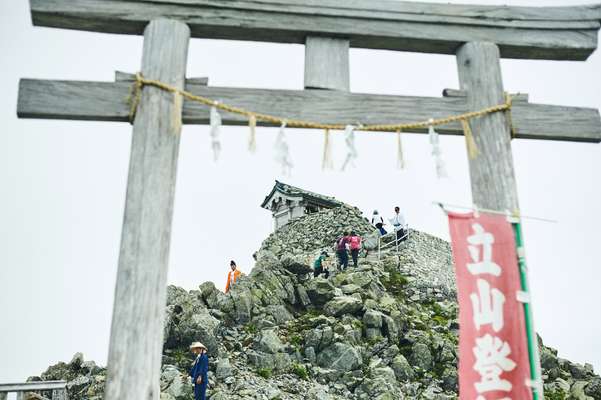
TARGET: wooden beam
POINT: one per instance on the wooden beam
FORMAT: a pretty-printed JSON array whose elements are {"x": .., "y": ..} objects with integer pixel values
[
  {"x": 136, "y": 344},
  {"x": 129, "y": 77},
  {"x": 491, "y": 171},
  {"x": 32, "y": 386},
  {"x": 327, "y": 63},
  {"x": 556, "y": 33},
  {"x": 107, "y": 101},
  {"x": 463, "y": 93}
]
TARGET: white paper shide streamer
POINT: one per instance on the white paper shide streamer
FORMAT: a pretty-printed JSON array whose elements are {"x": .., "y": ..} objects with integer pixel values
[
  {"x": 441, "y": 171},
  {"x": 282, "y": 152},
  {"x": 349, "y": 140},
  {"x": 215, "y": 122},
  {"x": 400, "y": 163}
]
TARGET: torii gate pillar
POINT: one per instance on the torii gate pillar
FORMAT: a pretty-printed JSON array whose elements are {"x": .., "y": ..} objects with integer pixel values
[
  {"x": 492, "y": 176},
  {"x": 134, "y": 361}
]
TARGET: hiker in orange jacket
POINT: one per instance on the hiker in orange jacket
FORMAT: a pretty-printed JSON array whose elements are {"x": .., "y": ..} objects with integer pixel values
[{"x": 232, "y": 276}]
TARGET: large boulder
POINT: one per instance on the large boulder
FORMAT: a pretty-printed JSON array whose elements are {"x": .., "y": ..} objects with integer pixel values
[
  {"x": 186, "y": 327},
  {"x": 224, "y": 369},
  {"x": 320, "y": 291},
  {"x": 380, "y": 385},
  {"x": 421, "y": 356},
  {"x": 343, "y": 305},
  {"x": 340, "y": 357},
  {"x": 401, "y": 368},
  {"x": 298, "y": 265},
  {"x": 268, "y": 342},
  {"x": 174, "y": 385},
  {"x": 211, "y": 296},
  {"x": 319, "y": 338}
]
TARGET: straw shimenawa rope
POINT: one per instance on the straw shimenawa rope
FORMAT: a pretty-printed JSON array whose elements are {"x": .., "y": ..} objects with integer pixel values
[{"x": 140, "y": 82}]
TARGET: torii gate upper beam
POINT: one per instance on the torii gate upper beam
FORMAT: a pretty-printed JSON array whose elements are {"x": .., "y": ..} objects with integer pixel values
[{"x": 553, "y": 33}]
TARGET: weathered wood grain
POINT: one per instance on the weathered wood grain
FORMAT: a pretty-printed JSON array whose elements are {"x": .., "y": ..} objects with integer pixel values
[
  {"x": 327, "y": 63},
  {"x": 129, "y": 77},
  {"x": 136, "y": 343},
  {"x": 559, "y": 33},
  {"x": 463, "y": 93},
  {"x": 491, "y": 172},
  {"x": 107, "y": 101},
  {"x": 32, "y": 386}
]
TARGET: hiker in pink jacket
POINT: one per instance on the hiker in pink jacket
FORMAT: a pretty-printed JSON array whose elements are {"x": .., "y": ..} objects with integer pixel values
[{"x": 355, "y": 245}]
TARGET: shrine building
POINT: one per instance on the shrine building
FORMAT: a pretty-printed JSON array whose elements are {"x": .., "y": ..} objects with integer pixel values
[{"x": 288, "y": 202}]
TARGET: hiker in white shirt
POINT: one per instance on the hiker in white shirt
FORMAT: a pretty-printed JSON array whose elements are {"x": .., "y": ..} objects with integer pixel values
[
  {"x": 399, "y": 223},
  {"x": 378, "y": 222}
]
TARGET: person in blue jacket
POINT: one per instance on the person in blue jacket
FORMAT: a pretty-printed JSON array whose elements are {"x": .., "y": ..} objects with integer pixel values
[{"x": 200, "y": 370}]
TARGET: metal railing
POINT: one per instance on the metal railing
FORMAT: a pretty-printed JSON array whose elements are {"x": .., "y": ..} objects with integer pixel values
[
  {"x": 393, "y": 241},
  {"x": 58, "y": 388}
]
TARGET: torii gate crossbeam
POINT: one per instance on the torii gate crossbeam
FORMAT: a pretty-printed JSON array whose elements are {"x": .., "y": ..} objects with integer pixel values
[{"x": 478, "y": 35}]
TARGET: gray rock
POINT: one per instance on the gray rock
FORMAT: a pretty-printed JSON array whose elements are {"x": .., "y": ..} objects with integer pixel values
[
  {"x": 372, "y": 319},
  {"x": 340, "y": 357},
  {"x": 310, "y": 354},
  {"x": 320, "y": 338},
  {"x": 203, "y": 327},
  {"x": 298, "y": 265},
  {"x": 450, "y": 379},
  {"x": 578, "y": 371},
  {"x": 210, "y": 294},
  {"x": 421, "y": 356},
  {"x": 343, "y": 305},
  {"x": 320, "y": 291},
  {"x": 402, "y": 370},
  {"x": 593, "y": 389},
  {"x": 224, "y": 369},
  {"x": 173, "y": 383},
  {"x": 275, "y": 362},
  {"x": 548, "y": 360},
  {"x": 577, "y": 391},
  {"x": 350, "y": 289},
  {"x": 302, "y": 296},
  {"x": 279, "y": 313},
  {"x": 269, "y": 342}
]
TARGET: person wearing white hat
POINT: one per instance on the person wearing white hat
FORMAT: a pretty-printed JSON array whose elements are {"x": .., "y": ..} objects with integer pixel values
[{"x": 200, "y": 370}]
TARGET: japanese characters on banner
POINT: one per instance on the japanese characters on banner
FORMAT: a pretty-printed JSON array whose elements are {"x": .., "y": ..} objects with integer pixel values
[{"x": 493, "y": 345}]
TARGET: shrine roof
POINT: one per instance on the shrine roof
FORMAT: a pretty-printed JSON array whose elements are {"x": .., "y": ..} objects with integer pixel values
[{"x": 293, "y": 191}]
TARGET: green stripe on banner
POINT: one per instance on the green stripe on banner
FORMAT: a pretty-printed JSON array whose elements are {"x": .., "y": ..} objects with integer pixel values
[{"x": 532, "y": 342}]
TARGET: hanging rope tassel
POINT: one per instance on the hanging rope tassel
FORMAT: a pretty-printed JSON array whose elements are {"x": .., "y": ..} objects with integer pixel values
[
  {"x": 441, "y": 171},
  {"x": 252, "y": 140},
  {"x": 349, "y": 139},
  {"x": 282, "y": 153},
  {"x": 400, "y": 162},
  {"x": 472, "y": 149},
  {"x": 327, "y": 162},
  {"x": 215, "y": 121},
  {"x": 176, "y": 117}
]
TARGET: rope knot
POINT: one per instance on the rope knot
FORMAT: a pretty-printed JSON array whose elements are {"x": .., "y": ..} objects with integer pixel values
[{"x": 135, "y": 94}]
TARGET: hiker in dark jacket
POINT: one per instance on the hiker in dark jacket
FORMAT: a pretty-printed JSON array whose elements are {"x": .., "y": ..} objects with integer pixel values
[
  {"x": 341, "y": 251},
  {"x": 200, "y": 370}
]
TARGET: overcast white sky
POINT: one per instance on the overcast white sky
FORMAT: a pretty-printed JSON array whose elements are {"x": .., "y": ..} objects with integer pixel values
[{"x": 63, "y": 186}]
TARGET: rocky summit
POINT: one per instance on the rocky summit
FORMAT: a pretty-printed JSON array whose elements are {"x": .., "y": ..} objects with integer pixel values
[{"x": 386, "y": 330}]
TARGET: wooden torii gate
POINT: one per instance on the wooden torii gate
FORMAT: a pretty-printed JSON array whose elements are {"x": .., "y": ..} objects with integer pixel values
[{"x": 478, "y": 35}]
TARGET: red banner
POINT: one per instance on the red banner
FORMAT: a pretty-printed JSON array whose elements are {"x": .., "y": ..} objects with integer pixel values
[{"x": 493, "y": 349}]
